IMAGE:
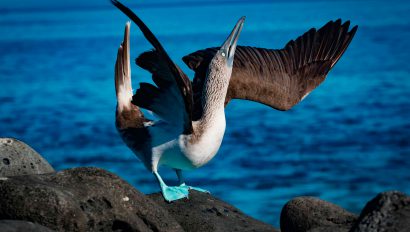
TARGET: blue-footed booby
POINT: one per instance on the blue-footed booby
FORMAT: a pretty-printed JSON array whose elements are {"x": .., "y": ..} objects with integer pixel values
[
  {"x": 176, "y": 140},
  {"x": 193, "y": 119}
]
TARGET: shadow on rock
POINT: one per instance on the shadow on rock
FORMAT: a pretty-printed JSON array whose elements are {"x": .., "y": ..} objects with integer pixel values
[
  {"x": 203, "y": 212},
  {"x": 20, "y": 226}
]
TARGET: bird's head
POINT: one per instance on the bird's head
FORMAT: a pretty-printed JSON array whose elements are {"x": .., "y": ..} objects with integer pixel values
[{"x": 223, "y": 59}]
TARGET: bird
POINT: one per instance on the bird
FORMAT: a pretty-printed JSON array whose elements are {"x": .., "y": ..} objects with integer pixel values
[
  {"x": 175, "y": 140},
  {"x": 278, "y": 78}
]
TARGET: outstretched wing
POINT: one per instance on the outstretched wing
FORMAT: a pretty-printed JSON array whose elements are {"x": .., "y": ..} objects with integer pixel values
[
  {"x": 171, "y": 98},
  {"x": 278, "y": 78}
]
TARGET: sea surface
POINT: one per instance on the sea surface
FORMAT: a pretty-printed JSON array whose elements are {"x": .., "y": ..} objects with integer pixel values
[{"x": 346, "y": 142}]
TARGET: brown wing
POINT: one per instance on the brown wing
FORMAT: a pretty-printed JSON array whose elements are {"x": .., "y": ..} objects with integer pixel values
[
  {"x": 127, "y": 115},
  {"x": 171, "y": 98},
  {"x": 278, "y": 78}
]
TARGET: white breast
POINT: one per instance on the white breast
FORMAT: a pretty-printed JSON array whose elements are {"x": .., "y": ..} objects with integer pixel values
[
  {"x": 205, "y": 148},
  {"x": 183, "y": 152}
]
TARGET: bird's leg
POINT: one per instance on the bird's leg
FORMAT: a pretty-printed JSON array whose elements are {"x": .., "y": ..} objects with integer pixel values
[
  {"x": 171, "y": 193},
  {"x": 180, "y": 177},
  {"x": 183, "y": 185}
]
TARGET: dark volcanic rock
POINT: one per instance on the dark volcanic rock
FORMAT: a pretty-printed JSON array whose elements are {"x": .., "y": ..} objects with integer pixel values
[
  {"x": 202, "y": 212},
  {"x": 304, "y": 214},
  {"x": 17, "y": 158},
  {"x": 328, "y": 229},
  {"x": 81, "y": 199},
  {"x": 388, "y": 211},
  {"x": 20, "y": 226}
]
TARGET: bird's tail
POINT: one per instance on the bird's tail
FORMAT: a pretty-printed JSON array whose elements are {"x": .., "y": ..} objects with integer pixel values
[{"x": 123, "y": 86}]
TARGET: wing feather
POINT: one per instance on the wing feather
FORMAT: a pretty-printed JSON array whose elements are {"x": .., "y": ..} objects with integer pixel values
[
  {"x": 278, "y": 78},
  {"x": 171, "y": 98}
]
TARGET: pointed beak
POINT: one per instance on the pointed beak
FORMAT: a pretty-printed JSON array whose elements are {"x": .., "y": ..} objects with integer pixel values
[{"x": 230, "y": 44}]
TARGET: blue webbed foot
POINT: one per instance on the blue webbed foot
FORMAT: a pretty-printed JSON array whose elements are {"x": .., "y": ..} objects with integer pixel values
[
  {"x": 183, "y": 185},
  {"x": 173, "y": 193}
]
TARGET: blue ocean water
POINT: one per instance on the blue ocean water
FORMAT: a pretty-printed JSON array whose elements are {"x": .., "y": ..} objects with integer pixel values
[{"x": 346, "y": 142}]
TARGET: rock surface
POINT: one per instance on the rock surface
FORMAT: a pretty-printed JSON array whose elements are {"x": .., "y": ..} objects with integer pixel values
[
  {"x": 304, "y": 214},
  {"x": 20, "y": 226},
  {"x": 17, "y": 158},
  {"x": 36, "y": 198},
  {"x": 388, "y": 211},
  {"x": 81, "y": 199},
  {"x": 203, "y": 212}
]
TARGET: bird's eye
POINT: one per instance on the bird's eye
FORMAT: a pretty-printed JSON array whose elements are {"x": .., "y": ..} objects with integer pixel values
[{"x": 223, "y": 54}]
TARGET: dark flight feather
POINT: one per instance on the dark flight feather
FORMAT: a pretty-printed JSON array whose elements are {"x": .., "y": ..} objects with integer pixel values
[{"x": 173, "y": 86}]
